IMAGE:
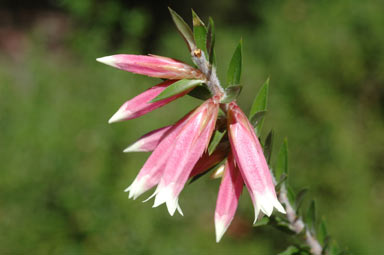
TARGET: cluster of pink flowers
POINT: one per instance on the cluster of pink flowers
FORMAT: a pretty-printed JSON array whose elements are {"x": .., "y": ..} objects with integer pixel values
[{"x": 179, "y": 151}]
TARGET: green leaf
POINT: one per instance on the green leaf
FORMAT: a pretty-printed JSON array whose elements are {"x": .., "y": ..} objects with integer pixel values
[
  {"x": 183, "y": 29},
  {"x": 257, "y": 117},
  {"x": 211, "y": 41},
  {"x": 215, "y": 141},
  {"x": 290, "y": 194},
  {"x": 282, "y": 161},
  {"x": 268, "y": 146},
  {"x": 311, "y": 217},
  {"x": 322, "y": 233},
  {"x": 263, "y": 221},
  {"x": 177, "y": 88},
  {"x": 291, "y": 250},
  {"x": 234, "y": 70},
  {"x": 260, "y": 104},
  {"x": 231, "y": 93},
  {"x": 282, "y": 179},
  {"x": 200, "y": 92},
  {"x": 300, "y": 198},
  {"x": 200, "y": 33}
]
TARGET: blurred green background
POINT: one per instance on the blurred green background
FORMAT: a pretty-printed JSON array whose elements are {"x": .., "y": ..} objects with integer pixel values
[{"x": 62, "y": 170}]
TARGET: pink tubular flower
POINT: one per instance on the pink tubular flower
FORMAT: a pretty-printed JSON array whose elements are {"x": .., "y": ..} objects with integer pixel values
[
  {"x": 141, "y": 104},
  {"x": 229, "y": 193},
  {"x": 154, "y": 66},
  {"x": 187, "y": 148},
  {"x": 150, "y": 174},
  {"x": 172, "y": 161},
  {"x": 149, "y": 141},
  {"x": 251, "y": 162}
]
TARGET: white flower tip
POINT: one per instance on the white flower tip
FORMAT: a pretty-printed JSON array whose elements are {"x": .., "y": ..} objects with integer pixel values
[
  {"x": 220, "y": 227},
  {"x": 266, "y": 202},
  {"x": 109, "y": 60},
  {"x": 179, "y": 210},
  {"x": 119, "y": 116},
  {"x": 137, "y": 187},
  {"x": 279, "y": 207},
  {"x": 166, "y": 195},
  {"x": 135, "y": 147},
  {"x": 257, "y": 211}
]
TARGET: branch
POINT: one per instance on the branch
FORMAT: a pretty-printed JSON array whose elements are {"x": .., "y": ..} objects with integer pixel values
[{"x": 297, "y": 225}]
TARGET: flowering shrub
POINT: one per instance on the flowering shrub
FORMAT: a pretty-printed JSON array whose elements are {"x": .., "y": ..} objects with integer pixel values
[{"x": 216, "y": 136}]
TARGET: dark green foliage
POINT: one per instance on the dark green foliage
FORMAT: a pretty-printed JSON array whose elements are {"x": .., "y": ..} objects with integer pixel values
[
  {"x": 282, "y": 161},
  {"x": 217, "y": 136},
  {"x": 200, "y": 92},
  {"x": 234, "y": 69},
  {"x": 268, "y": 146},
  {"x": 260, "y": 105},
  {"x": 183, "y": 29},
  {"x": 200, "y": 33}
]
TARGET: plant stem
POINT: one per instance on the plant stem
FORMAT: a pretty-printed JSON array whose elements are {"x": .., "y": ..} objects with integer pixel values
[
  {"x": 209, "y": 71},
  {"x": 297, "y": 225}
]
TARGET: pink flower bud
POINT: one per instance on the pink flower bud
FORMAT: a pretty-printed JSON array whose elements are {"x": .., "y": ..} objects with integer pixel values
[
  {"x": 149, "y": 141},
  {"x": 154, "y": 66},
  {"x": 187, "y": 148},
  {"x": 229, "y": 193},
  {"x": 251, "y": 162},
  {"x": 140, "y": 104}
]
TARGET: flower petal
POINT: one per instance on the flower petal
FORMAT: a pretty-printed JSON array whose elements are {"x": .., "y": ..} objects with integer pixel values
[
  {"x": 151, "y": 172},
  {"x": 149, "y": 141},
  {"x": 141, "y": 105},
  {"x": 251, "y": 162},
  {"x": 229, "y": 193},
  {"x": 154, "y": 66},
  {"x": 188, "y": 147}
]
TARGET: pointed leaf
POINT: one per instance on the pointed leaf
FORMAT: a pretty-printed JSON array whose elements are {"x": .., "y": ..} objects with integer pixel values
[
  {"x": 290, "y": 194},
  {"x": 176, "y": 88},
  {"x": 282, "y": 161},
  {"x": 231, "y": 93},
  {"x": 215, "y": 141},
  {"x": 311, "y": 217},
  {"x": 200, "y": 33},
  {"x": 211, "y": 42},
  {"x": 260, "y": 104},
  {"x": 291, "y": 250},
  {"x": 257, "y": 117},
  {"x": 282, "y": 179},
  {"x": 234, "y": 70},
  {"x": 300, "y": 198},
  {"x": 268, "y": 146},
  {"x": 183, "y": 29},
  {"x": 263, "y": 221},
  {"x": 322, "y": 233},
  {"x": 200, "y": 92}
]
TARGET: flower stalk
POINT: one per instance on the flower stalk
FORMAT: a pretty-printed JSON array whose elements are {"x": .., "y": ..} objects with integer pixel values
[
  {"x": 207, "y": 138},
  {"x": 297, "y": 224}
]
